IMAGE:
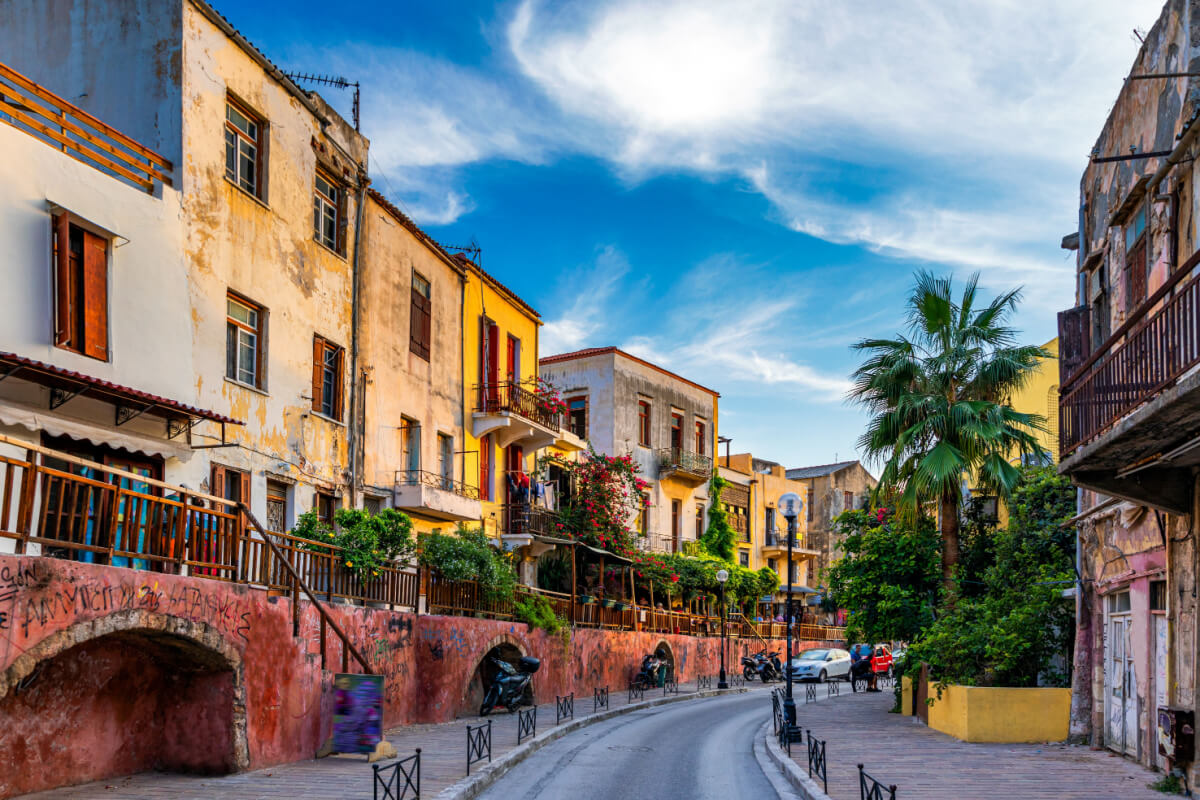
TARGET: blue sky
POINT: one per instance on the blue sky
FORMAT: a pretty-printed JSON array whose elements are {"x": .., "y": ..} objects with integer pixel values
[{"x": 735, "y": 190}]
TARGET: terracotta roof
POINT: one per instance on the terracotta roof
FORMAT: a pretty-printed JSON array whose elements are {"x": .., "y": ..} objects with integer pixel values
[
  {"x": 471, "y": 265},
  {"x": 798, "y": 473},
  {"x": 415, "y": 229},
  {"x": 599, "y": 351},
  {"x": 12, "y": 364}
]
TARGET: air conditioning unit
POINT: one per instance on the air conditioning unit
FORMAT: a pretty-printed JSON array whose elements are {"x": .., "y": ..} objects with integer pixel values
[{"x": 1177, "y": 734}]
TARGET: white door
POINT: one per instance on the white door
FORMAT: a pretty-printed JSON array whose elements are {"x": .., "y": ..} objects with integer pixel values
[{"x": 1120, "y": 711}]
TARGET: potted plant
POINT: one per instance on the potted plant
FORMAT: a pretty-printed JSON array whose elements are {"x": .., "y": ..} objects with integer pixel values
[
  {"x": 609, "y": 602},
  {"x": 586, "y": 599}
]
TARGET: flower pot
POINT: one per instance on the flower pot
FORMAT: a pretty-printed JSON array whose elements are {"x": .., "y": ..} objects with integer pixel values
[
  {"x": 609, "y": 603},
  {"x": 586, "y": 599}
]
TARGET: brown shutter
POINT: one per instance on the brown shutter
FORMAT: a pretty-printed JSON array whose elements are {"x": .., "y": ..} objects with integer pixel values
[
  {"x": 95, "y": 296},
  {"x": 62, "y": 279},
  {"x": 1074, "y": 340},
  {"x": 426, "y": 325},
  {"x": 244, "y": 496},
  {"x": 414, "y": 322},
  {"x": 343, "y": 220},
  {"x": 218, "y": 481},
  {"x": 318, "y": 360}
]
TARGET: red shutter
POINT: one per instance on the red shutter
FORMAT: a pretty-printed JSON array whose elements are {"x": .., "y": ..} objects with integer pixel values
[
  {"x": 318, "y": 360},
  {"x": 62, "y": 279},
  {"x": 95, "y": 296},
  {"x": 493, "y": 366},
  {"x": 1074, "y": 340},
  {"x": 485, "y": 468}
]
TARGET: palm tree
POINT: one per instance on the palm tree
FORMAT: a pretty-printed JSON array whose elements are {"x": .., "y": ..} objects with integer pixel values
[{"x": 939, "y": 402}]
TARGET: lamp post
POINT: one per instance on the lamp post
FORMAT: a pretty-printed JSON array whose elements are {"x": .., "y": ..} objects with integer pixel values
[
  {"x": 790, "y": 504},
  {"x": 722, "y": 576}
]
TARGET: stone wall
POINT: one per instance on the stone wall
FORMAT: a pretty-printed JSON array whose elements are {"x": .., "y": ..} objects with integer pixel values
[{"x": 106, "y": 671}]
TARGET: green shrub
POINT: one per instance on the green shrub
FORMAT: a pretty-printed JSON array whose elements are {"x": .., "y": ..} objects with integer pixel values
[
  {"x": 469, "y": 555},
  {"x": 368, "y": 542}
]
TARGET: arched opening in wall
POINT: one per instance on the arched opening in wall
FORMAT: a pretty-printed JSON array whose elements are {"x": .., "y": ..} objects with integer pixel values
[
  {"x": 486, "y": 671},
  {"x": 664, "y": 652},
  {"x": 123, "y": 702}
]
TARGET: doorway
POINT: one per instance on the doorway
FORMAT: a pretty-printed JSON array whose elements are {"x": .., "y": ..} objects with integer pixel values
[{"x": 1120, "y": 680}]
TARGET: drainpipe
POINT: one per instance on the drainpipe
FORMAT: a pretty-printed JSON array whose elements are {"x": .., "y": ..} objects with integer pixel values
[{"x": 355, "y": 417}]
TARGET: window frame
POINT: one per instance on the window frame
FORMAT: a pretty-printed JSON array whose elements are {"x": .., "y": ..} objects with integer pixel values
[
  {"x": 809, "y": 498},
  {"x": 322, "y": 348},
  {"x": 82, "y": 285},
  {"x": 701, "y": 436},
  {"x": 323, "y": 499},
  {"x": 644, "y": 422},
  {"x": 420, "y": 320},
  {"x": 410, "y": 443},
  {"x": 258, "y": 190},
  {"x": 258, "y": 332},
  {"x": 677, "y": 430},
  {"x": 582, "y": 434},
  {"x": 336, "y": 204}
]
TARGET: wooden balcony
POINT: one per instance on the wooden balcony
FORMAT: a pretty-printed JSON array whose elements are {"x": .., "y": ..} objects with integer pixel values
[
  {"x": 515, "y": 414},
  {"x": 30, "y": 108},
  {"x": 1132, "y": 407},
  {"x": 681, "y": 464}
]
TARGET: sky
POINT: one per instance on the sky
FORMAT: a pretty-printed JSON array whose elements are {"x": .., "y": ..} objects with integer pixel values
[{"x": 737, "y": 191}]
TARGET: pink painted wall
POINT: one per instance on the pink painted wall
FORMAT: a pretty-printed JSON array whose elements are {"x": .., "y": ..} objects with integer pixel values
[{"x": 142, "y": 671}]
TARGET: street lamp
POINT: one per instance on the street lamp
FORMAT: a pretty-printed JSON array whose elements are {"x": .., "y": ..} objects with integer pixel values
[
  {"x": 790, "y": 504},
  {"x": 722, "y": 576}
]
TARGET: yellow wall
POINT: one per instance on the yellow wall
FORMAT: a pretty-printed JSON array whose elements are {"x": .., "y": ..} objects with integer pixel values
[
  {"x": 989, "y": 714},
  {"x": 1040, "y": 396},
  {"x": 765, "y": 493},
  {"x": 484, "y": 297}
]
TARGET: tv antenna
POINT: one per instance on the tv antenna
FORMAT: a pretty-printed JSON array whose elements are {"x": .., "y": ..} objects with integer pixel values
[{"x": 329, "y": 80}]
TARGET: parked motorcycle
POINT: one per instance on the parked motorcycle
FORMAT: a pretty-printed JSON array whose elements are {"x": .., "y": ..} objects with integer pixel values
[
  {"x": 508, "y": 688},
  {"x": 766, "y": 666},
  {"x": 647, "y": 678}
]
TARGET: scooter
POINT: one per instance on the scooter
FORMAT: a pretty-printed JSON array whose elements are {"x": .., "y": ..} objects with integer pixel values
[
  {"x": 763, "y": 664},
  {"x": 508, "y": 689},
  {"x": 648, "y": 676}
]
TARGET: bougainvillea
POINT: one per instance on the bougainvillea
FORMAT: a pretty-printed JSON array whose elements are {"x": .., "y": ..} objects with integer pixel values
[{"x": 548, "y": 398}]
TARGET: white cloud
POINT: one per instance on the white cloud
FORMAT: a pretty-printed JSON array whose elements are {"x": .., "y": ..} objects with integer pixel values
[{"x": 587, "y": 293}]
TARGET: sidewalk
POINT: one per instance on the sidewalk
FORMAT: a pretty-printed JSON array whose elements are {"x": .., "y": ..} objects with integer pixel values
[
  {"x": 443, "y": 762},
  {"x": 926, "y": 764}
]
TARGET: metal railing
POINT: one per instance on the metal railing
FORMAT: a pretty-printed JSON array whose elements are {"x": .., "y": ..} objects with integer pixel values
[
  {"x": 871, "y": 789},
  {"x": 421, "y": 477},
  {"x": 599, "y": 698},
  {"x": 515, "y": 398},
  {"x": 816, "y": 760},
  {"x": 526, "y": 723},
  {"x": 810, "y": 693},
  {"x": 525, "y": 518},
  {"x": 833, "y": 689},
  {"x": 781, "y": 540},
  {"x": 388, "y": 779},
  {"x": 670, "y": 686},
  {"x": 682, "y": 460},
  {"x": 637, "y": 691},
  {"x": 1159, "y": 343},
  {"x": 564, "y": 708},
  {"x": 479, "y": 744},
  {"x": 30, "y": 108},
  {"x": 703, "y": 682}
]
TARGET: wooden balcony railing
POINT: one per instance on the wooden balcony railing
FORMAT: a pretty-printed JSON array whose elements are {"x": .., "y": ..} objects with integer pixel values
[
  {"x": 420, "y": 477},
  {"x": 1159, "y": 343},
  {"x": 84, "y": 511},
  {"x": 515, "y": 398},
  {"x": 681, "y": 460},
  {"x": 44, "y": 115}
]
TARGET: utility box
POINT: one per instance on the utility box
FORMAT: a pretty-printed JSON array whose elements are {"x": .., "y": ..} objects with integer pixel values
[{"x": 1177, "y": 734}]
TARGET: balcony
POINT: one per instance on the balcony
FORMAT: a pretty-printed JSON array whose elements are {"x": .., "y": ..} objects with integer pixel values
[
  {"x": 776, "y": 544},
  {"x": 1129, "y": 413},
  {"x": 525, "y": 525},
  {"x": 684, "y": 465},
  {"x": 515, "y": 414},
  {"x": 433, "y": 496}
]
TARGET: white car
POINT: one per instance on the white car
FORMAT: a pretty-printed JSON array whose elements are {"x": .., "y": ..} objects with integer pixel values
[{"x": 821, "y": 665}]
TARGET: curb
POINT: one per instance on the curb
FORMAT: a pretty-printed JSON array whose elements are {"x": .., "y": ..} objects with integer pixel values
[
  {"x": 473, "y": 785},
  {"x": 798, "y": 778}
]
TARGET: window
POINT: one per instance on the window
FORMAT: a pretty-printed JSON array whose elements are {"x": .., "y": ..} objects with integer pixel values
[
  {"x": 643, "y": 423},
  {"x": 80, "y": 289},
  {"x": 485, "y": 469},
  {"x": 699, "y": 522},
  {"x": 243, "y": 148},
  {"x": 327, "y": 378},
  {"x": 577, "y": 416},
  {"x": 329, "y": 214},
  {"x": 446, "y": 459},
  {"x": 1118, "y": 602},
  {"x": 243, "y": 341},
  {"x": 770, "y": 524},
  {"x": 809, "y": 504},
  {"x": 792, "y": 570},
  {"x": 1136, "y": 262},
  {"x": 676, "y": 431},
  {"x": 772, "y": 564},
  {"x": 847, "y": 501},
  {"x": 230, "y": 484},
  {"x": 1158, "y": 595},
  {"x": 324, "y": 504},
  {"x": 743, "y": 558},
  {"x": 410, "y": 443},
  {"x": 372, "y": 505},
  {"x": 513, "y": 372},
  {"x": 700, "y": 437},
  {"x": 277, "y": 506},
  {"x": 420, "y": 320},
  {"x": 676, "y": 531},
  {"x": 643, "y": 521}
]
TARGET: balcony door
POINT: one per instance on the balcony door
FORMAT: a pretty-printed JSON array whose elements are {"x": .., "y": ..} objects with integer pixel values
[
  {"x": 489, "y": 363},
  {"x": 676, "y": 431}
]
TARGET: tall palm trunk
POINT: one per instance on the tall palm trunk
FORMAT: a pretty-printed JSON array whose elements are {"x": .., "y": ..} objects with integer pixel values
[{"x": 948, "y": 528}]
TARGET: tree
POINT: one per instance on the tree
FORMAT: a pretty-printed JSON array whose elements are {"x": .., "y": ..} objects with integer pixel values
[
  {"x": 938, "y": 397},
  {"x": 888, "y": 575},
  {"x": 719, "y": 536}
]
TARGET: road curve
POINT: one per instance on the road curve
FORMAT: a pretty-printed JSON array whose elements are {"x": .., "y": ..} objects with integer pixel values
[{"x": 698, "y": 750}]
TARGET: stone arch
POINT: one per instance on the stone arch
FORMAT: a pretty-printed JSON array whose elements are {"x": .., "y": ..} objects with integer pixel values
[
  {"x": 193, "y": 654},
  {"x": 505, "y": 646},
  {"x": 664, "y": 651}
]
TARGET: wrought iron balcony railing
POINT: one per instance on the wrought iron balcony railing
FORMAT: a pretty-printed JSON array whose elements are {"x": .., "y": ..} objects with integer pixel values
[
  {"x": 681, "y": 460},
  {"x": 420, "y": 477},
  {"x": 514, "y": 398},
  {"x": 781, "y": 540},
  {"x": 522, "y": 518},
  {"x": 1157, "y": 344}
]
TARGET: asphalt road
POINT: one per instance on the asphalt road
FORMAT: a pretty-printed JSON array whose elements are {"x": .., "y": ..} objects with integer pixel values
[{"x": 698, "y": 750}]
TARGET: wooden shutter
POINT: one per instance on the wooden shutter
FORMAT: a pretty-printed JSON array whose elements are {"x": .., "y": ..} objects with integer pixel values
[
  {"x": 244, "y": 488},
  {"x": 427, "y": 325},
  {"x": 63, "y": 294},
  {"x": 485, "y": 468},
  {"x": 218, "y": 481},
  {"x": 1074, "y": 341},
  {"x": 419, "y": 324},
  {"x": 339, "y": 381},
  {"x": 95, "y": 296},
  {"x": 1135, "y": 277},
  {"x": 318, "y": 362}
]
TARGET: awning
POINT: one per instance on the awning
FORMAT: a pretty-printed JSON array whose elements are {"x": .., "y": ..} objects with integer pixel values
[
  {"x": 797, "y": 589},
  {"x": 606, "y": 554},
  {"x": 66, "y": 384},
  {"x": 36, "y": 419}
]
